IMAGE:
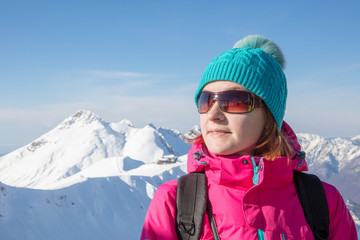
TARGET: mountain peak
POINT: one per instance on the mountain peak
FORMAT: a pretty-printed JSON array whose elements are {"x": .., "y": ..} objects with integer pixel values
[
  {"x": 81, "y": 116},
  {"x": 150, "y": 125},
  {"x": 194, "y": 132},
  {"x": 356, "y": 140},
  {"x": 126, "y": 122}
]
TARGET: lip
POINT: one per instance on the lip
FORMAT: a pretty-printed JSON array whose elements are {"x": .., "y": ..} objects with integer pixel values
[{"x": 218, "y": 132}]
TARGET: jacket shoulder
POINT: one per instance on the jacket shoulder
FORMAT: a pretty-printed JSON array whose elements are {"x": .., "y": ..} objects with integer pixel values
[
  {"x": 168, "y": 188},
  {"x": 160, "y": 218},
  {"x": 166, "y": 193},
  {"x": 342, "y": 225}
]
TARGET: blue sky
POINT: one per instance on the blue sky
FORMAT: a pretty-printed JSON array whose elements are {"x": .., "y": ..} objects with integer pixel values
[{"x": 142, "y": 60}]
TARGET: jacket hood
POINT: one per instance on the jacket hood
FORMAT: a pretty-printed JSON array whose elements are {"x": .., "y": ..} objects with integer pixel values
[{"x": 200, "y": 159}]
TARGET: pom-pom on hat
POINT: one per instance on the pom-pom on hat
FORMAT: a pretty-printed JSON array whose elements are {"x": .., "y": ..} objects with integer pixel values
[{"x": 256, "y": 63}]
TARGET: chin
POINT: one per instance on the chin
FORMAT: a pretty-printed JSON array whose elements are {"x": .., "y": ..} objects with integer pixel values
[
  {"x": 231, "y": 151},
  {"x": 224, "y": 152}
]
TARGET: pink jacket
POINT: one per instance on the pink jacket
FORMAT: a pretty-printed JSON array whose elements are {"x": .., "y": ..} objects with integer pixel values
[{"x": 243, "y": 209}]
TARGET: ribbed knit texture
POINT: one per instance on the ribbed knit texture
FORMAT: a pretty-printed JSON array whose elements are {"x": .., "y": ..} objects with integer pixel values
[{"x": 256, "y": 70}]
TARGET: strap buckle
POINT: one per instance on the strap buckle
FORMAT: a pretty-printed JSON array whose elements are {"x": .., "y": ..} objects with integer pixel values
[{"x": 189, "y": 230}]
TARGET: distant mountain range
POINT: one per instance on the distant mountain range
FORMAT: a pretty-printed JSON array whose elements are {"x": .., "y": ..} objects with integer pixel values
[
  {"x": 90, "y": 179},
  {"x": 336, "y": 161}
]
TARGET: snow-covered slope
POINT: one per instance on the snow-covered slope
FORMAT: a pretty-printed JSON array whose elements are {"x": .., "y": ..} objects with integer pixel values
[
  {"x": 89, "y": 179},
  {"x": 98, "y": 208}
]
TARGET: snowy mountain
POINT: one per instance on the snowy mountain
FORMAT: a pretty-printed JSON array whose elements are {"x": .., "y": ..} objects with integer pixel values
[
  {"x": 89, "y": 179},
  {"x": 86, "y": 179},
  {"x": 336, "y": 161},
  {"x": 81, "y": 141}
]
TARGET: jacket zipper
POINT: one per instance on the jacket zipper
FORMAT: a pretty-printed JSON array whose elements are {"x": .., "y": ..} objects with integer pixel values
[
  {"x": 256, "y": 171},
  {"x": 261, "y": 234}
]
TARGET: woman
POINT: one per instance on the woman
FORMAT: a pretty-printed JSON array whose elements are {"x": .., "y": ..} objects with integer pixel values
[{"x": 248, "y": 154}]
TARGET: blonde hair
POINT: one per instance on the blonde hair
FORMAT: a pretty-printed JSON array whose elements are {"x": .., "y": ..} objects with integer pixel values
[{"x": 271, "y": 144}]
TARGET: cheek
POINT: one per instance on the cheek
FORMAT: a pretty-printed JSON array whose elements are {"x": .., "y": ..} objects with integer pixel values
[{"x": 249, "y": 127}]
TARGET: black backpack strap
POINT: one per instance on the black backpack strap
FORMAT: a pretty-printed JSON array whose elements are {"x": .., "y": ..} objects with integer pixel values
[
  {"x": 311, "y": 193},
  {"x": 191, "y": 199},
  {"x": 212, "y": 222}
]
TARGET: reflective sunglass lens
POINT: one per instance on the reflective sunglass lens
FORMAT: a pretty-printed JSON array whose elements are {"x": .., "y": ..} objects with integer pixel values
[
  {"x": 233, "y": 101},
  {"x": 204, "y": 102},
  {"x": 235, "y": 107}
]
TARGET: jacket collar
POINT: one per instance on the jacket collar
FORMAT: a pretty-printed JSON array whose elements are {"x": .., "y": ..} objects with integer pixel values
[{"x": 238, "y": 171}]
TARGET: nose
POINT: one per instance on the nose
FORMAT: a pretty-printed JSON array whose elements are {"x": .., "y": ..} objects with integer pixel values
[{"x": 215, "y": 112}]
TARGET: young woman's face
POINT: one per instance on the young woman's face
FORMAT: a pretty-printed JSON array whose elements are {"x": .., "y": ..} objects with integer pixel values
[{"x": 229, "y": 133}]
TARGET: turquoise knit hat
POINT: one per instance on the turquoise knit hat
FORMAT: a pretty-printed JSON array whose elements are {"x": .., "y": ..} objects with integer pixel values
[{"x": 256, "y": 63}]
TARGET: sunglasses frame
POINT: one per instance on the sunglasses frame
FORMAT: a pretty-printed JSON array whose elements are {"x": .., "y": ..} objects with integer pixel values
[{"x": 255, "y": 101}]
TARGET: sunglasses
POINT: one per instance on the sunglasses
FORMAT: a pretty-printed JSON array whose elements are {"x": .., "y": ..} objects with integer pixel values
[{"x": 233, "y": 101}]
